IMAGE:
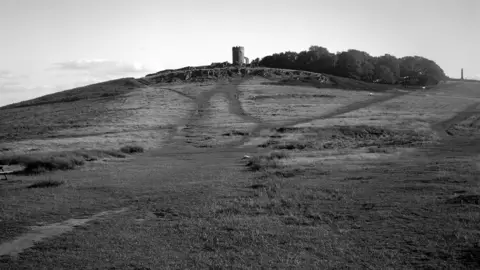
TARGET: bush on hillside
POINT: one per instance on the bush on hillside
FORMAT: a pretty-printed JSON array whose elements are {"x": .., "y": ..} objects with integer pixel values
[{"x": 130, "y": 149}]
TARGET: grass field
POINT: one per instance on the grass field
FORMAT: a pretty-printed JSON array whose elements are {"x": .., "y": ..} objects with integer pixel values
[
  {"x": 409, "y": 111},
  {"x": 286, "y": 103},
  {"x": 337, "y": 179},
  {"x": 144, "y": 115}
]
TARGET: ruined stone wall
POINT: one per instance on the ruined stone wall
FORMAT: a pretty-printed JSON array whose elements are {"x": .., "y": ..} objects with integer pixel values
[{"x": 215, "y": 74}]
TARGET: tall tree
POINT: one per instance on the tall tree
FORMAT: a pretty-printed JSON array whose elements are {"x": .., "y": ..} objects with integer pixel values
[
  {"x": 385, "y": 74},
  {"x": 392, "y": 63}
]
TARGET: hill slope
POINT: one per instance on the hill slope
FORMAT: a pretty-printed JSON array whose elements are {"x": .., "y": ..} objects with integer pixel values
[
  {"x": 333, "y": 178},
  {"x": 127, "y": 110}
]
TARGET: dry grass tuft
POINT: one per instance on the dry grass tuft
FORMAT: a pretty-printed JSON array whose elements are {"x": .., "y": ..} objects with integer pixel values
[{"x": 41, "y": 162}]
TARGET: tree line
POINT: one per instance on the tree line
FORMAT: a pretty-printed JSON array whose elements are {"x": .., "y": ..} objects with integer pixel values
[{"x": 358, "y": 65}]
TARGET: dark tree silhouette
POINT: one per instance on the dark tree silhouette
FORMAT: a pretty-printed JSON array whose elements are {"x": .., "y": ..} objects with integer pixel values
[{"x": 359, "y": 65}]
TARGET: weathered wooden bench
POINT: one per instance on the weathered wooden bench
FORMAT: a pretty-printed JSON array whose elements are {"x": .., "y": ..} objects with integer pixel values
[{"x": 4, "y": 173}]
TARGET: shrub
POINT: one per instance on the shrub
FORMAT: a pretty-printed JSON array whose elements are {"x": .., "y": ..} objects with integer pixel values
[
  {"x": 51, "y": 163},
  {"x": 129, "y": 149}
]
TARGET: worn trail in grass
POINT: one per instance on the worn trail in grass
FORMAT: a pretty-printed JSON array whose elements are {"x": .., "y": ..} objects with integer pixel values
[
  {"x": 190, "y": 127},
  {"x": 230, "y": 90},
  {"x": 444, "y": 126},
  {"x": 343, "y": 110},
  {"x": 40, "y": 233}
]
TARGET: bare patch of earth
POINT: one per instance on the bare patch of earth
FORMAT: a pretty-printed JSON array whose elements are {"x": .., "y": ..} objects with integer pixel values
[{"x": 39, "y": 233}]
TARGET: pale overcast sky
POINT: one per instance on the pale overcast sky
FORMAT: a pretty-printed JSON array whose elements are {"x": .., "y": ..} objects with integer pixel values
[{"x": 52, "y": 45}]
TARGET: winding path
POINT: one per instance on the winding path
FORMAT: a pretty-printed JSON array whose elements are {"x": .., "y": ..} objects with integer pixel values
[{"x": 231, "y": 91}]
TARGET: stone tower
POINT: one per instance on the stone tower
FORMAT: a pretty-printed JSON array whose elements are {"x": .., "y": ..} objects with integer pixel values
[
  {"x": 462, "y": 74},
  {"x": 238, "y": 54}
]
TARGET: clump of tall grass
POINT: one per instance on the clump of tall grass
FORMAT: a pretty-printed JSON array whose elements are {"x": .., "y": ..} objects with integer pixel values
[
  {"x": 270, "y": 160},
  {"x": 51, "y": 161}
]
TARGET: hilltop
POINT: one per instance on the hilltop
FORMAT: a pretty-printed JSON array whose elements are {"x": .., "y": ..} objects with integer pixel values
[{"x": 208, "y": 74}]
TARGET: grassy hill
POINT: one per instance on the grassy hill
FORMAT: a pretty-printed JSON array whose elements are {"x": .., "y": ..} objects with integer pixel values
[
  {"x": 243, "y": 168},
  {"x": 99, "y": 90},
  {"x": 137, "y": 109}
]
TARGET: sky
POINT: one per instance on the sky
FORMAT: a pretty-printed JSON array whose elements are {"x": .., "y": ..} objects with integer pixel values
[{"x": 52, "y": 45}]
